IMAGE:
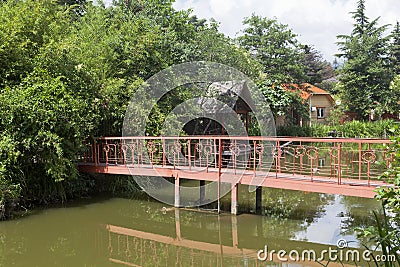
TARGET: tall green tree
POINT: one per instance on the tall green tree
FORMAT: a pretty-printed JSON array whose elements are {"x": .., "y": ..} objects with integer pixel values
[
  {"x": 364, "y": 77},
  {"x": 317, "y": 69},
  {"x": 275, "y": 46},
  {"x": 395, "y": 50},
  {"x": 209, "y": 44}
]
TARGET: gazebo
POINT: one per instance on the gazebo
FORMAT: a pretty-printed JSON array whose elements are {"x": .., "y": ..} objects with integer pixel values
[{"x": 231, "y": 93}]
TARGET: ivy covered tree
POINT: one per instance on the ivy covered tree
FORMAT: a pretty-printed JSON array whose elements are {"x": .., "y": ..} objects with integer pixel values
[
  {"x": 364, "y": 76},
  {"x": 283, "y": 102}
]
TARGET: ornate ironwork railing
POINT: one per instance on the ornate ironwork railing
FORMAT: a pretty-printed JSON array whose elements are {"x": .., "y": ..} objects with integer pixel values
[{"x": 334, "y": 158}]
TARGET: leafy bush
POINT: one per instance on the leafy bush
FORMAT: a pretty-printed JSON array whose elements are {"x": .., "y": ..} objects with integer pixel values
[
  {"x": 294, "y": 130},
  {"x": 9, "y": 189},
  {"x": 352, "y": 129},
  {"x": 386, "y": 233}
]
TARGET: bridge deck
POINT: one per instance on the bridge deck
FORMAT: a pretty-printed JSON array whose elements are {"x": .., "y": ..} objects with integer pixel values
[{"x": 319, "y": 184}]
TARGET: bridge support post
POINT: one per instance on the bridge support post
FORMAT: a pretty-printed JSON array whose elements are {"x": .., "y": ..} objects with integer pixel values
[
  {"x": 234, "y": 199},
  {"x": 235, "y": 238},
  {"x": 202, "y": 192},
  {"x": 258, "y": 199},
  {"x": 177, "y": 225},
  {"x": 177, "y": 192}
]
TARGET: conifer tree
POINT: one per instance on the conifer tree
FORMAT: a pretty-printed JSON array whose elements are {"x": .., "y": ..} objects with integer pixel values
[
  {"x": 395, "y": 50},
  {"x": 365, "y": 77}
]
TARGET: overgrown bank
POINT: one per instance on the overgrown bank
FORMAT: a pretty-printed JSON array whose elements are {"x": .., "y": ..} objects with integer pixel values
[
  {"x": 67, "y": 72},
  {"x": 352, "y": 129},
  {"x": 85, "y": 186}
]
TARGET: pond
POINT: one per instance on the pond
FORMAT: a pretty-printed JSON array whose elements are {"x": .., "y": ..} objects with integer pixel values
[{"x": 142, "y": 232}]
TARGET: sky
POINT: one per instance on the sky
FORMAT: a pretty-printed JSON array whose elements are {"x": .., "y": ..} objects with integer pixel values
[{"x": 317, "y": 22}]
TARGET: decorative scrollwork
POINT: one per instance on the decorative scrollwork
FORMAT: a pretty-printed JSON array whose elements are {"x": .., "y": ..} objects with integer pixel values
[
  {"x": 369, "y": 156},
  {"x": 207, "y": 150},
  {"x": 151, "y": 147},
  {"x": 259, "y": 149},
  {"x": 300, "y": 151},
  {"x": 234, "y": 149},
  {"x": 124, "y": 148},
  {"x": 312, "y": 153},
  {"x": 388, "y": 156},
  {"x": 204, "y": 148},
  {"x": 106, "y": 148},
  {"x": 176, "y": 148},
  {"x": 132, "y": 146},
  {"x": 333, "y": 152}
]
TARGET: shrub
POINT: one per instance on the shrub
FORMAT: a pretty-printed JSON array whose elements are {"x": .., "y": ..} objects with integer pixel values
[
  {"x": 352, "y": 129},
  {"x": 386, "y": 233}
]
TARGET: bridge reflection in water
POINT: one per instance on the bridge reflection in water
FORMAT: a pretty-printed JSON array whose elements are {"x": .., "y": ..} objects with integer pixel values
[{"x": 216, "y": 244}]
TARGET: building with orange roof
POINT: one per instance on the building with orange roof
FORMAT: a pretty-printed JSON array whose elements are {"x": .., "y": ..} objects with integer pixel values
[{"x": 319, "y": 101}]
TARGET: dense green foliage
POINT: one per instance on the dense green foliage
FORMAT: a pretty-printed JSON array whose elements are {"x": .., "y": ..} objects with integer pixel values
[
  {"x": 385, "y": 233},
  {"x": 371, "y": 62},
  {"x": 395, "y": 50},
  {"x": 317, "y": 69},
  {"x": 45, "y": 102},
  {"x": 67, "y": 72},
  {"x": 352, "y": 129},
  {"x": 281, "y": 101},
  {"x": 275, "y": 46},
  {"x": 283, "y": 58}
]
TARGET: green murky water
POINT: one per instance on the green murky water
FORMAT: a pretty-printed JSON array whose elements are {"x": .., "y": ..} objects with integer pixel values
[{"x": 127, "y": 232}]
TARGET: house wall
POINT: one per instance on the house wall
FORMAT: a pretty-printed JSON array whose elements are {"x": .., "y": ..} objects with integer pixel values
[{"x": 321, "y": 101}]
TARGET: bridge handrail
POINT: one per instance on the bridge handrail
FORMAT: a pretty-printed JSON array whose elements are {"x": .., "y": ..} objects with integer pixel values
[
  {"x": 337, "y": 158},
  {"x": 257, "y": 138}
]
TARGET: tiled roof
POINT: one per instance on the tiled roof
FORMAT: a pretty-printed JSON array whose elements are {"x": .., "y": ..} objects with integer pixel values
[{"x": 306, "y": 90}]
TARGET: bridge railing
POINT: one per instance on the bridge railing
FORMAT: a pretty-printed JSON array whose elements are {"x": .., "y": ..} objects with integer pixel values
[{"x": 331, "y": 158}]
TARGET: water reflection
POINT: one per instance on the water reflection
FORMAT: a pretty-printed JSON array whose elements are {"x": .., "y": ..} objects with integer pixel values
[
  {"x": 133, "y": 247},
  {"x": 122, "y": 232}
]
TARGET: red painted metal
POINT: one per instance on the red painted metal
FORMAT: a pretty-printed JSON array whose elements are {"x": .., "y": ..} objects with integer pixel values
[
  {"x": 339, "y": 157},
  {"x": 343, "y": 161},
  {"x": 219, "y": 172}
]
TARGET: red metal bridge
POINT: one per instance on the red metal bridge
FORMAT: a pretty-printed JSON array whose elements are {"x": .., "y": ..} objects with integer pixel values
[{"x": 324, "y": 165}]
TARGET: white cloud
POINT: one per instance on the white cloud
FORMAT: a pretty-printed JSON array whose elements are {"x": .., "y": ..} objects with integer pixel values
[{"x": 317, "y": 22}]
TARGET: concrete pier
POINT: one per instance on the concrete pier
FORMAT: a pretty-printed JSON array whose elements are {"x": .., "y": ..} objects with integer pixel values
[
  {"x": 234, "y": 199},
  {"x": 177, "y": 192},
  {"x": 258, "y": 199},
  {"x": 202, "y": 191}
]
